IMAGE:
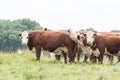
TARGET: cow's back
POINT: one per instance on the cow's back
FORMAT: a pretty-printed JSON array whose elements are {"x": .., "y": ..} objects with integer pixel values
[
  {"x": 111, "y": 43},
  {"x": 50, "y": 40}
]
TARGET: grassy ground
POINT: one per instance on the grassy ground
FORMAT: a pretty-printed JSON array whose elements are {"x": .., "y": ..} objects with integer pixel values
[{"x": 24, "y": 67}]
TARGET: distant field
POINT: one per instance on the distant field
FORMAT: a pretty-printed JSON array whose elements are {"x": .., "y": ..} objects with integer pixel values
[{"x": 24, "y": 67}]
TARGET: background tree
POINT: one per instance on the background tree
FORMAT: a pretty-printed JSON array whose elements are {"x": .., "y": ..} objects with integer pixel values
[
  {"x": 115, "y": 30},
  {"x": 89, "y": 29},
  {"x": 9, "y": 40}
]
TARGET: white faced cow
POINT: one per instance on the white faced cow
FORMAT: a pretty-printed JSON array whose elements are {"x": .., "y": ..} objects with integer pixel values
[
  {"x": 49, "y": 41},
  {"x": 80, "y": 39}
]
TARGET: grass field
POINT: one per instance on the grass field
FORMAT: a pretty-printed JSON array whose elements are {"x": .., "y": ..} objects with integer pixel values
[{"x": 24, "y": 67}]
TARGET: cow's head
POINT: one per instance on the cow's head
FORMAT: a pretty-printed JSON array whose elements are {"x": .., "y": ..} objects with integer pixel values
[
  {"x": 76, "y": 36},
  {"x": 89, "y": 36},
  {"x": 25, "y": 37}
]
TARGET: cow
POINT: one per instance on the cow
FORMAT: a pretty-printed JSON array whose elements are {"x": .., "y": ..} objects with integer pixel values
[
  {"x": 57, "y": 56},
  {"x": 85, "y": 40},
  {"x": 52, "y": 41},
  {"x": 106, "y": 44},
  {"x": 80, "y": 41},
  {"x": 89, "y": 37}
]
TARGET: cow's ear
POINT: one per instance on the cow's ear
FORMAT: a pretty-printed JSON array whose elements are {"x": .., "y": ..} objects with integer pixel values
[
  {"x": 69, "y": 30},
  {"x": 19, "y": 35},
  {"x": 94, "y": 35},
  {"x": 45, "y": 29},
  {"x": 30, "y": 35},
  {"x": 78, "y": 37},
  {"x": 84, "y": 34}
]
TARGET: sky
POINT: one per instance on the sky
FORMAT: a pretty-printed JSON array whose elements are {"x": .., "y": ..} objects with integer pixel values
[{"x": 101, "y": 15}]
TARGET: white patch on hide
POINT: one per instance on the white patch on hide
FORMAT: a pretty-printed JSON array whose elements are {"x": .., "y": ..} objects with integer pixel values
[
  {"x": 86, "y": 50},
  {"x": 96, "y": 52}
]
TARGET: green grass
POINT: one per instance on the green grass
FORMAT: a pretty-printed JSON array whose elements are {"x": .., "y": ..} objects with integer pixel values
[{"x": 24, "y": 67}]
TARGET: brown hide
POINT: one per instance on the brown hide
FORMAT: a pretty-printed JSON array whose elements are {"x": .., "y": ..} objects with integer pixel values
[
  {"x": 111, "y": 43},
  {"x": 66, "y": 32},
  {"x": 51, "y": 40},
  {"x": 103, "y": 34},
  {"x": 100, "y": 33},
  {"x": 110, "y": 33}
]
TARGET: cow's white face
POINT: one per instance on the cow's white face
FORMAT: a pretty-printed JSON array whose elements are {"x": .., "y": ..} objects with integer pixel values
[
  {"x": 72, "y": 35},
  {"x": 90, "y": 37},
  {"x": 24, "y": 37},
  {"x": 75, "y": 36}
]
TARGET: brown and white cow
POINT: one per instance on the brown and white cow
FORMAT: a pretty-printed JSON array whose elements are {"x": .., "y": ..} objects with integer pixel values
[
  {"x": 57, "y": 56},
  {"x": 81, "y": 41},
  {"x": 85, "y": 40},
  {"x": 90, "y": 38},
  {"x": 49, "y": 41},
  {"x": 106, "y": 44}
]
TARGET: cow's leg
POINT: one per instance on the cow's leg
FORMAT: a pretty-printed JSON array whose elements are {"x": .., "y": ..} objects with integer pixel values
[
  {"x": 73, "y": 54},
  {"x": 70, "y": 56},
  {"x": 38, "y": 52},
  {"x": 78, "y": 56},
  {"x": 100, "y": 58},
  {"x": 111, "y": 58},
  {"x": 93, "y": 58},
  {"x": 118, "y": 59},
  {"x": 65, "y": 56},
  {"x": 57, "y": 57},
  {"x": 73, "y": 58},
  {"x": 79, "y": 51},
  {"x": 85, "y": 58}
]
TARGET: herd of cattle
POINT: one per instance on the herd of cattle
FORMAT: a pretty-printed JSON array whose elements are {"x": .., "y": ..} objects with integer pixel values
[{"x": 94, "y": 45}]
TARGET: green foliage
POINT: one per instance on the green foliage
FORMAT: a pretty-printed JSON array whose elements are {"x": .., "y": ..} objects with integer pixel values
[
  {"x": 115, "y": 30},
  {"x": 24, "y": 67},
  {"x": 89, "y": 29},
  {"x": 9, "y": 40}
]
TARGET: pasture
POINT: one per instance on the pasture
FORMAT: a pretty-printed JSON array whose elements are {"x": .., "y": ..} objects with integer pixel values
[{"x": 24, "y": 67}]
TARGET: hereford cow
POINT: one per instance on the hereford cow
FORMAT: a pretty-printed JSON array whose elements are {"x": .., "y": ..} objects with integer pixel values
[
  {"x": 85, "y": 39},
  {"x": 49, "y": 41},
  {"x": 106, "y": 44},
  {"x": 76, "y": 36},
  {"x": 57, "y": 56},
  {"x": 91, "y": 38}
]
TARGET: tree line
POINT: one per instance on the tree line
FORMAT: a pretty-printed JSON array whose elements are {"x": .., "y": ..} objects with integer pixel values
[{"x": 9, "y": 30}]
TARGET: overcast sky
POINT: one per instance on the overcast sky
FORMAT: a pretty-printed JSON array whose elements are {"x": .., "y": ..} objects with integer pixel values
[{"x": 102, "y": 15}]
